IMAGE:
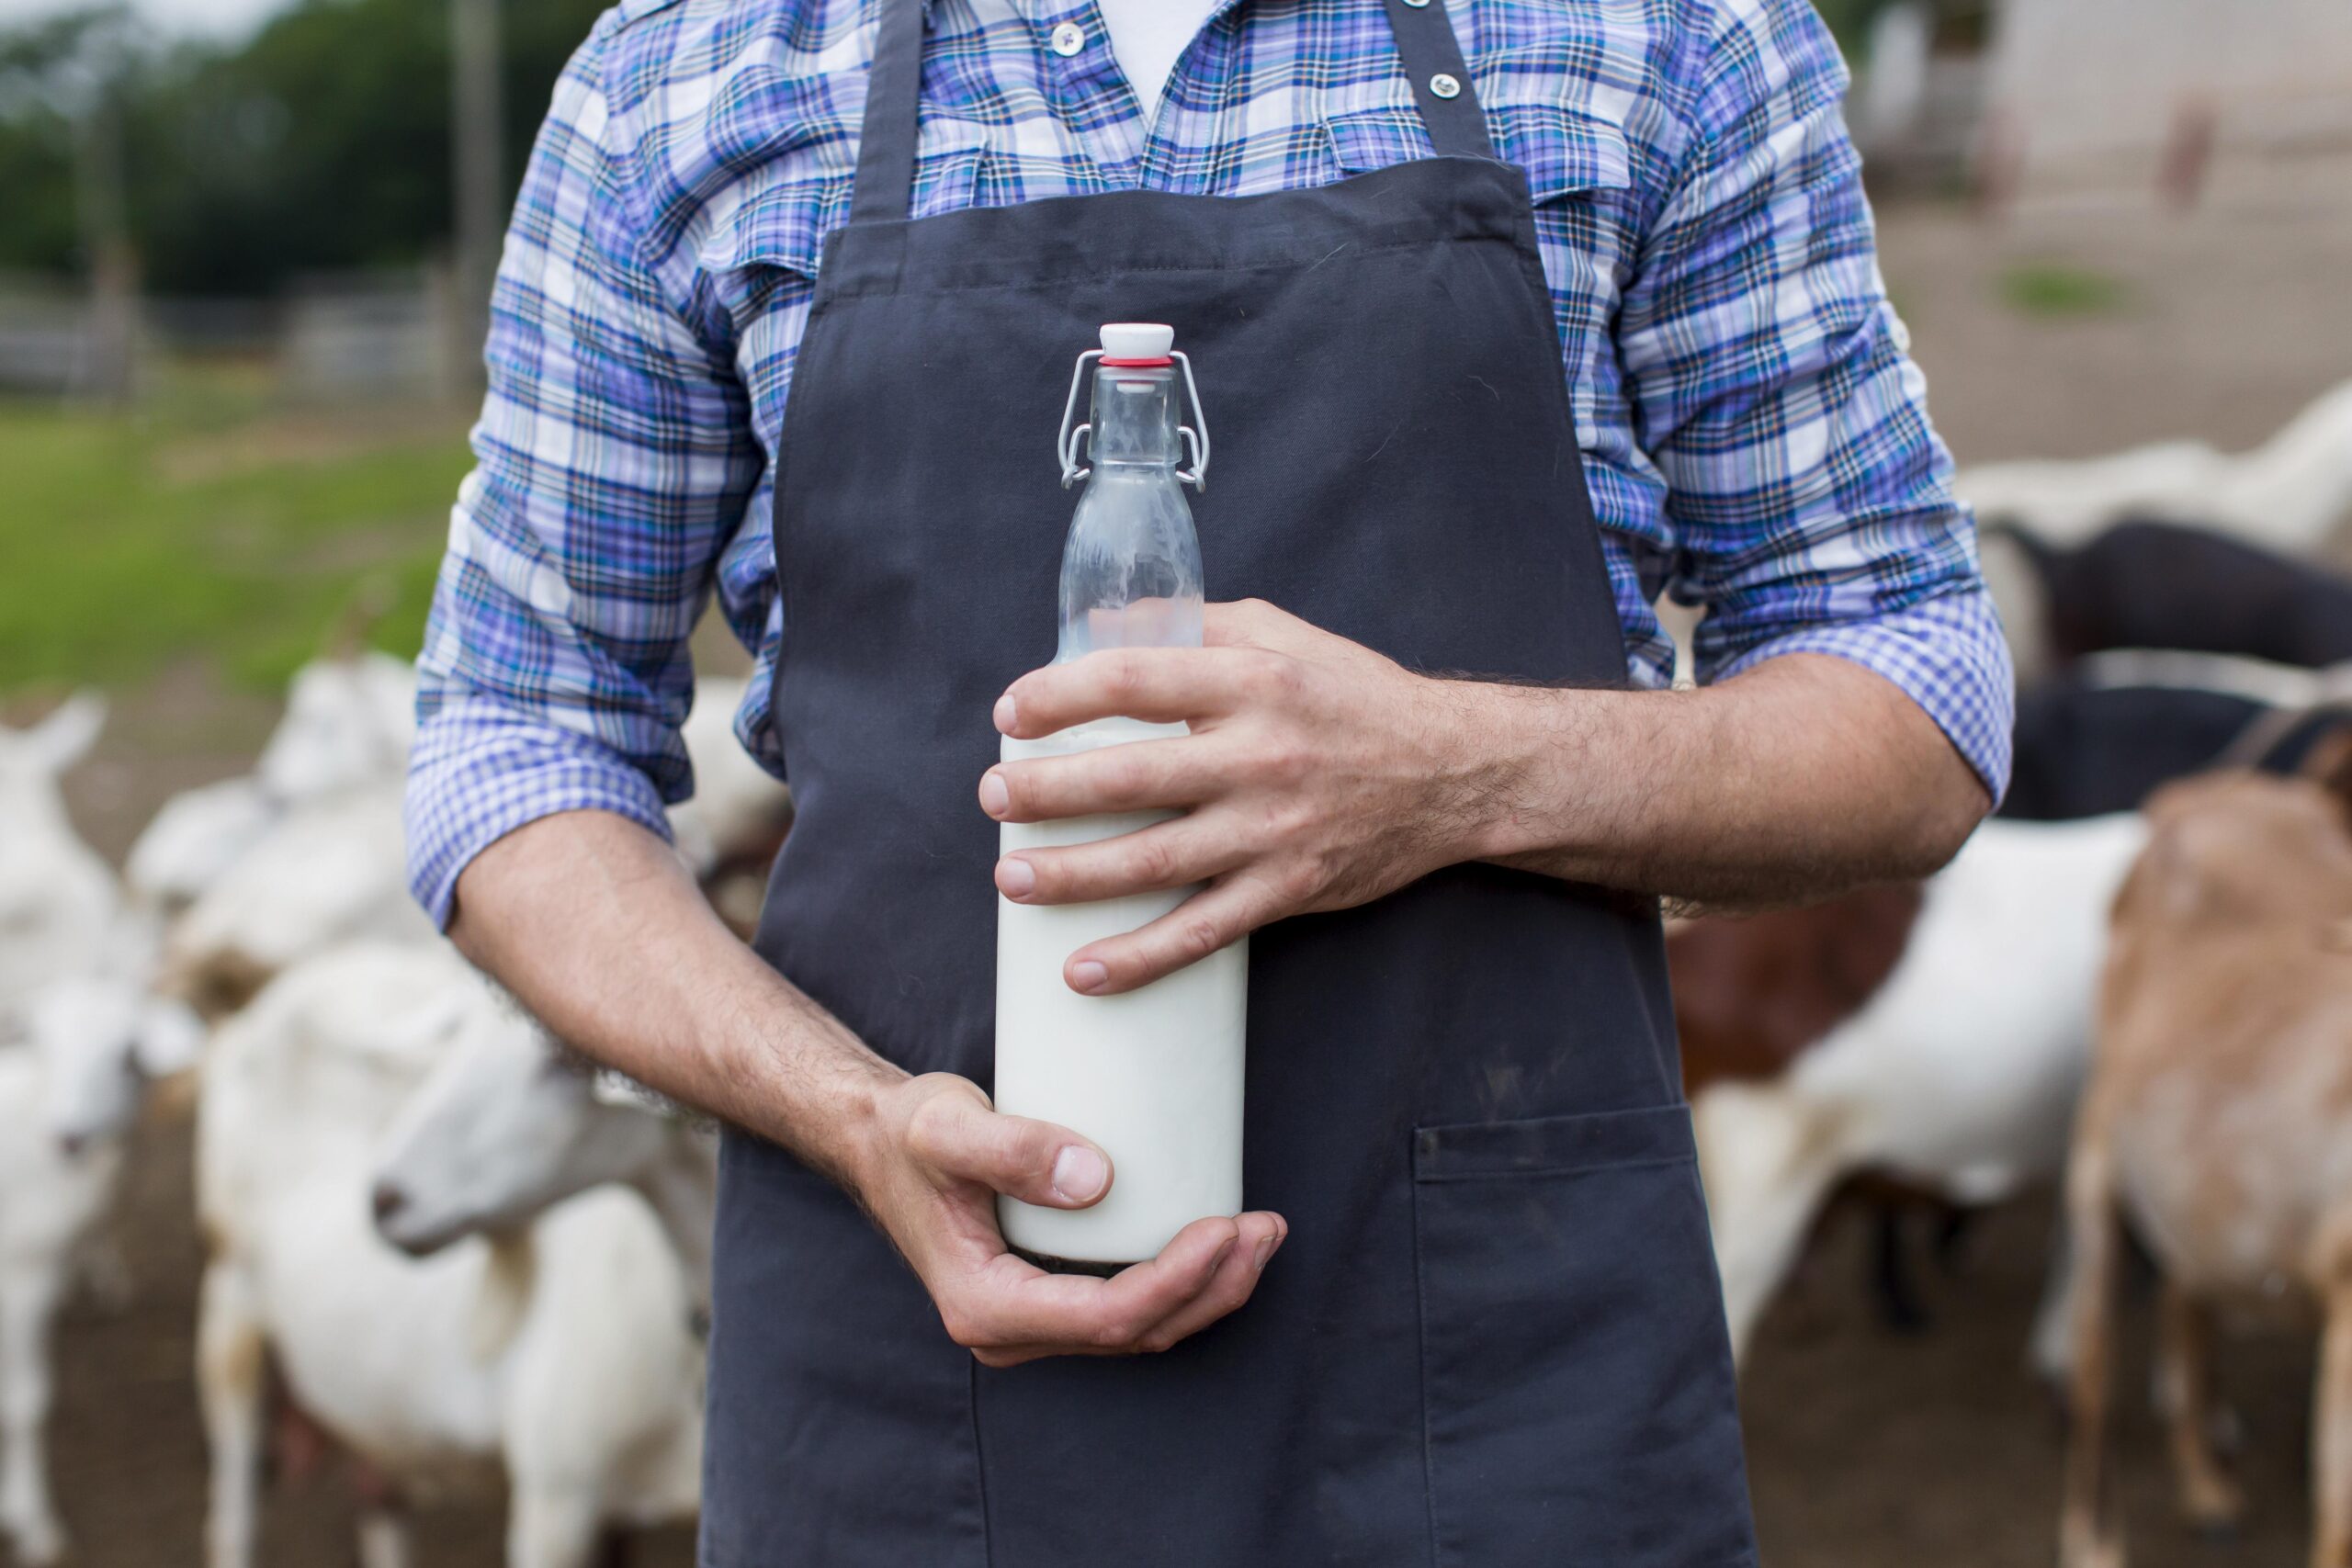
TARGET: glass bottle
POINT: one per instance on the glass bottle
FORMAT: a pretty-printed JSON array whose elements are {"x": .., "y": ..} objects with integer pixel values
[{"x": 1153, "y": 1076}]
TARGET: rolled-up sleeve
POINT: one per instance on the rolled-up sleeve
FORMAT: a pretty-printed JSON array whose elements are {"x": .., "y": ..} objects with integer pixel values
[
  {"x": 614, "y": 457},
  {"x": 1811, "y": 500}
]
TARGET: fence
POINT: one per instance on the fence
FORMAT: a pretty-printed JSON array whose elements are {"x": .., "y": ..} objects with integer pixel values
[{"x": 378, "y": 336}]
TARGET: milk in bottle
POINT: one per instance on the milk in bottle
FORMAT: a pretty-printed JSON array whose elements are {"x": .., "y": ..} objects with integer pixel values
[{"x": 1153, "y": 1076}]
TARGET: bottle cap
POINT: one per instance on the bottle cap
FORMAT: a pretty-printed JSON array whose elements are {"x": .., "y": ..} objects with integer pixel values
[{"x": 1134, "y": 343}]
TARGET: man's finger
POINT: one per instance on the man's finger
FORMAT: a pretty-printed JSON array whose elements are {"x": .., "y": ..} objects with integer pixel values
[
  {"x": 1160, "y": 685},
  {"x": 1214, "y": 917},
  {"x": 1228, "y": 1287},
  {"x": 1132, "y": 776},
  {"x": 1014, "y": 1309},
  {"x": 1261, "y": 1235},
  {"x": 1153, "y": 859},
  {"x": 957, "y": 1135}
]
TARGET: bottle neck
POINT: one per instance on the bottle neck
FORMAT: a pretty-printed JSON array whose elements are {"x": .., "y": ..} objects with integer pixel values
[{"x": 1135, "y": 419}]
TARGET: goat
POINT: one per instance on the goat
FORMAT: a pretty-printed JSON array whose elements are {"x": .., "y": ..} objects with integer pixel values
[
  {"x": 2087, "y": 746},
  {"x": 331, "y": 869},
  {"x": 564, "y": 1351},
  {"x": 2146, "y": 583},
  {"x": 2288, "y": 494},
  {"x": 511, "y": 1124},
  {"x": 70, "y": 1083},
  {"x": 1958, "y": 1075},
  {"x": 2218, "y": 1116},
  {"x": 730, "y": 829},
  {"x": 330, "y": 873},
  {"x": 58, "y": 901},
  {"x": 347, "y": 727},
  {"x": 194, "y": 837}
]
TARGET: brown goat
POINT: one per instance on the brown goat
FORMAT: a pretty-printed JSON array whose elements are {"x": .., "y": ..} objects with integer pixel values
[
  {"x": 1753, "y": 993},
  {"x": 2220, "y": 1115}
]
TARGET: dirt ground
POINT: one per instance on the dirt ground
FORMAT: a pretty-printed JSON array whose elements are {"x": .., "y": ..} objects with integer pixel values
[{"x": 1869, "y": 1450}]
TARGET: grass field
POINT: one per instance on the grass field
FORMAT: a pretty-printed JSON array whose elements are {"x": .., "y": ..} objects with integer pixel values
[{"x": 214, "y": 521}]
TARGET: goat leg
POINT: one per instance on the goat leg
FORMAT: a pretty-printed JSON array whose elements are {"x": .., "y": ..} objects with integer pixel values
[
  {"x": 2332, "y": 1431},
  {"x": 383, "y": 1537},
  {"x": 552, "y": 1527},
  {"x": 1896, "y": 1282},
  {"x": 2090, "y": 1534},
  {"x": 28, "y": 1300},
  {"x": 231, "y": 1360},
  {"x": 2209, "y": 1499}
]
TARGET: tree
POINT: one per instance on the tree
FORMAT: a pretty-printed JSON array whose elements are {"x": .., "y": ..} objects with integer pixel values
[
  {"x": 322, "y": 143},
  {"x": 74, "y": 68}
]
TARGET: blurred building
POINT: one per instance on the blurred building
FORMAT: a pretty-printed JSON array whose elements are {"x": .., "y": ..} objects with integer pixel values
[
  {"x": 2086, "y": 95},
  {"x": 2111, "y": 100}
]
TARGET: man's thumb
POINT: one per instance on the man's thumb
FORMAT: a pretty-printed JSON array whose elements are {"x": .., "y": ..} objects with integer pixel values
[{"x": 1036, "y": 1162}]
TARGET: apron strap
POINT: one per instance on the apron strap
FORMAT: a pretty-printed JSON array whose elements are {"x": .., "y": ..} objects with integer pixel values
[
  {"x": 1432, "y": 55},
  {"x": 886, "y": 152},
  {"x": 885, "y": 146}
]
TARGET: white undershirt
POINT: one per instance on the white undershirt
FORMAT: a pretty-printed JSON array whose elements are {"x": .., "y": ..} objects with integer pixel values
[{"x": 1146, "y": 38}]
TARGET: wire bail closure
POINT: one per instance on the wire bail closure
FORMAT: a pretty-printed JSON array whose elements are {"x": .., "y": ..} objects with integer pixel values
[{"x": 1195, "y": 434}]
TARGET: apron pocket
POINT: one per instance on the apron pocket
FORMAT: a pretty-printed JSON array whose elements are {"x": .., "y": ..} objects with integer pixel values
[{"x": 1577, "y": 1380}]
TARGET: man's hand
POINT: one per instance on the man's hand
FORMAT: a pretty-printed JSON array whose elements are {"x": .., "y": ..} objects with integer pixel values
[
  {"x": 1319, "y": 774},
  {"x": 939, "y": 1157}
]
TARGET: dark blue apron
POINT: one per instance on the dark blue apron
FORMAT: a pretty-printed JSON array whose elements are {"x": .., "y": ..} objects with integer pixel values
[{"x": 1494, "y": 1336}]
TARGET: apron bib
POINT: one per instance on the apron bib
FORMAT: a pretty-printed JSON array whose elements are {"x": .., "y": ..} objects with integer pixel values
[{"x": 1494, "y": 1336}]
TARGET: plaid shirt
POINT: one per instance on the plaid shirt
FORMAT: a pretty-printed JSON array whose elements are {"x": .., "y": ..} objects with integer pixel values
[{"x": 1755, "y": 438}]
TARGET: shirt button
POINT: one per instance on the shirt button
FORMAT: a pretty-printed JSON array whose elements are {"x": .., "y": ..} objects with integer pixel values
[{"x": 1069, "y": 40}]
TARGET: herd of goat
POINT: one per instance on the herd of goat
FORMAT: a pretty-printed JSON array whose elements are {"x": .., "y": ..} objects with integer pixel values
[
  {"x": 442, "y": 1248},
  {"x": 365, "y": 1101}
]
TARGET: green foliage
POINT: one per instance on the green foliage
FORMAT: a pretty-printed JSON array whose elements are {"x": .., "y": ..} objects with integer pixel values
[
  {"x": 58, "y": 73},
  {"x": 206, "y": 524},
  {"x": 1961, "y": 25},
  {"x": 1850, "y": 21},
  {"x": 37, "y": 189},
  {"x": 322, "y": 143},
  {"x": 2057, "y": 288}
]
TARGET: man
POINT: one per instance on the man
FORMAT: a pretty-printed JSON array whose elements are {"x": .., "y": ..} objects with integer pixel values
[{"x": 1506, "y": 321}]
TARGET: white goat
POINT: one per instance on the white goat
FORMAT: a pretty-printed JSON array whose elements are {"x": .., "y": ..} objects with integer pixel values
[
  {"x": 331, "y": 869},
  {"x": 566, "y": 1352},
  {"x": 58, "y": 901},
  {"x": 347, "y": 727},
  {"x": 70, "y": 1085},
  {"x": 328, "y": 874},
  {"x": 2290, "y": 494},
  {"x": 193, "y": 838},
  {"x": 511, "y": 1124},
  {"x": 348, "y": 723},
  {"x": 1959, "y": 1074},
  {"x": 738, "y": 807}
]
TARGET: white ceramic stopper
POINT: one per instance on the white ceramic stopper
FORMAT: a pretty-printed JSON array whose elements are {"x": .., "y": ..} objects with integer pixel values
[{"x": 1137, "y": 340}]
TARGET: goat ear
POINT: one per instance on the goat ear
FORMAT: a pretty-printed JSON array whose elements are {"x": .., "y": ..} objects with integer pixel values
[
  {"x": 65, "y": 737},
  {"x": 170, "y": 1040},
  {"x": 2329, "y": 765}
]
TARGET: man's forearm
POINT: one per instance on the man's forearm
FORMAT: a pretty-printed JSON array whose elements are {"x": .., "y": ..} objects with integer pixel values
[
  {"x": 1802, "y": 777},
  {"x": 1317, "y": 774},
  {"x": 595, "y": 927}
]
